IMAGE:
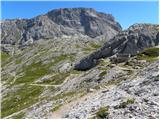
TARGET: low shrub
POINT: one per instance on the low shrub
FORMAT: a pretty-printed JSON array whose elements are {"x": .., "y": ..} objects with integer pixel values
[
  {"x": 124, "y": 104},
  {"x": 102, "y": 74},
  {"x": 102, "y": 113}
]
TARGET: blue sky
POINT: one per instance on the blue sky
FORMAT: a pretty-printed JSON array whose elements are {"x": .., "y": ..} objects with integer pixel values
[{"x": 126, "y": 13}]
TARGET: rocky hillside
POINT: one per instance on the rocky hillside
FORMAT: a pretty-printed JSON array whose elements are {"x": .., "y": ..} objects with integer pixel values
[
  {"x": 128, "y": 42},
  {"x": 43, "y": 59},
  {"x": 68, "y": 21}
]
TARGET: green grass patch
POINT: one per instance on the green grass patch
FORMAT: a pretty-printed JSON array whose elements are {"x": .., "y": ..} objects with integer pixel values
[
  {"x": 20, "y": 99},
  {"x": 86, "y": 49},
  {"x": 124, "y": 104},
  {"x": 4, "y": 56},
  {"x": 91, "y": 47},
  {"x": 102, "y": 74},
  {"x": 18, "y": 61},
  {"x": 115, "y": 81},
  {"x": 76, "y": 72},
  {"x": 63, "y": 57},
  {"x": 18, "y": 116},
  {"x": 57, "y": 79},
  {"x": 95, "y": 45},
  {"x": 32, "y": 72},
  {"x": 102, "y": 113},
  {"x": 149, "y": 54},
  {"x": 37, "y": 70}
]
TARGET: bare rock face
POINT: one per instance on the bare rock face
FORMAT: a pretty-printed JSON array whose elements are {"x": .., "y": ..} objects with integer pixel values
[
  {"x": 67, "y": 21},
  {"x": 130, "y": 41},
  {"x": 86, "y": 21}
]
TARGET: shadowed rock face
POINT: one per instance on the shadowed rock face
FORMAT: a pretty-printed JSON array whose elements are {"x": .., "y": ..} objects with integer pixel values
[
  {"x": 67, "y": 21},
  {"x": 130, "y": 41}
]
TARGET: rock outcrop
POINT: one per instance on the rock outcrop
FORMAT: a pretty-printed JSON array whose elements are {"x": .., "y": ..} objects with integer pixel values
[
  {"x": 130, "y": 41},
  {"x": 67, "y": 21}
]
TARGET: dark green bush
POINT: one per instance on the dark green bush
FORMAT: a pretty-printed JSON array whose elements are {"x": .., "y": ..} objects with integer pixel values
[
  {"x": 124, "y": 104},
  {"x": 102, "y": 113},
  {"x": 102, "y": 74}
]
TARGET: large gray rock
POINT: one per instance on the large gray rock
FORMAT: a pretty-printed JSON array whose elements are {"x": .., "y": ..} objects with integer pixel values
[
  {"x": 130, "y": 41},
  {"x": 67, "y": 21}
]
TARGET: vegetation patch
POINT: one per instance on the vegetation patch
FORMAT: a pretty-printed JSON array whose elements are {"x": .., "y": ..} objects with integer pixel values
[
  {"x": 102, "y": 74},
  {"x": 57, "y": 79},
  {"x": 56, "y": 107},
  {"x": 124, "y": 104},
  {"x": 149, "y": 54},
  {"x": 87, "y": 49},
  {"x": 91, "y": 47},
  {"x": 97, "y": 87},
  {"x": 60, "y": 96},
  {"x": 76, "y": 72},
  {"x": 102, "y": 113},
  {"x": 95, "y": 45},
  {"x": 63, "y": 57},
  {"x": 78, "y": 46},
  {"x": 18, "y": 61},
  {"x": 115, "y": 81},
  {"x": 4, "y": 56},
  {"x": 32, "y": 72},
  {"x": 19, "y": 116},
  {"x": 37, "y": 70},
  {"x": 20, "y": 99}
]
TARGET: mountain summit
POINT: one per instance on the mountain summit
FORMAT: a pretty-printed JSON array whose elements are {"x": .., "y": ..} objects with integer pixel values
[{"x": 67, "y": 21}]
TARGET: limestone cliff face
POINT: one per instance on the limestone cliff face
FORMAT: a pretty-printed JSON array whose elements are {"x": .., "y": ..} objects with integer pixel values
[
  {"x": 130, "y": 41},
  {"x": 67, "y": 21}
]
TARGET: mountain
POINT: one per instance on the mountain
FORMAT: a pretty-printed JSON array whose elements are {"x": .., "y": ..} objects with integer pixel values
[
  {"x": 67, "y": 21},
  {"x": 128, "y": 42},
  {"x": 65, "y": 64}
]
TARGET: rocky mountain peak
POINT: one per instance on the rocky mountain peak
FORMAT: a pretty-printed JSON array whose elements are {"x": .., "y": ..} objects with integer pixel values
[
  {"x": 62, "y": 11},
  {"x": 85, "y": 18},
  {"x": 59, "y": 22}
]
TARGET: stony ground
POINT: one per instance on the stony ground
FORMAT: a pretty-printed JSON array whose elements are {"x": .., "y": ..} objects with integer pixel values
[
  {"x": 32, "y": 76},
  {"x": 41, "y": 83},
  {"x": 141, "y": 88}
]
